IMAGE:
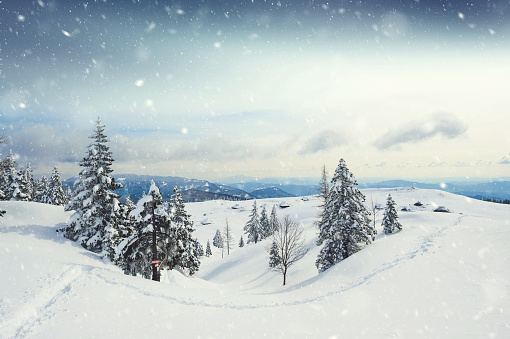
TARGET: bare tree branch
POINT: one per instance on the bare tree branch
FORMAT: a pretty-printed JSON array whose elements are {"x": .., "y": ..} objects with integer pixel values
[{"x": 288, "y": 246}]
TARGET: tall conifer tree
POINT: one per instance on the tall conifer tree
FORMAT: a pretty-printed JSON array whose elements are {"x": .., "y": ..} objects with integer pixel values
[
  {"x": 345, "y": 222},
  {"x": 390, "y": 222},
  {"x": 94, "y": 201}
]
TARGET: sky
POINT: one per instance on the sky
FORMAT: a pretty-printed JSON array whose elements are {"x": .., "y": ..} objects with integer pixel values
[{"x": 403, "y": 89}]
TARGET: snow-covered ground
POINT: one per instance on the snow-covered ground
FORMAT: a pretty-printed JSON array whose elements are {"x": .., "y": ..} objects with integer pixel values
[{"x": 445, "y": 275}]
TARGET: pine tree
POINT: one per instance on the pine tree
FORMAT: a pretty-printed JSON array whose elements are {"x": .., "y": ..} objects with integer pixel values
[
  {"x": 218, "y": 240},
  {"x": 252, "y": 227},
  {"x": 273, "y": 221},
  {"x": 8, "y": 176},
  {"x": 41, "y": 189},
  {"x": 241, "y": 242},
  {"x": 274, "y": 256},
  {"x": 345, "y": 222},
  {"x": 55, "y": 193},
  {"x": 181, "y": 249},
  {"x": 265, "y": 230},
  {"x": 208, "y": 251},
  {"x": 324, "y": 187},
  {"x": 390, "y": 222},
  {"x": 19, "y": 187},
  {"x": 29, "y": 178},
  {"x": 199, "y": 249},
  {"x": 94, "y": 201},
  {"x": 136, "y": 250}
]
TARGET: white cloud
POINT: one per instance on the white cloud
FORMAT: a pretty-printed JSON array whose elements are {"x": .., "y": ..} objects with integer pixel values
[{"x": 416, "y": 131}]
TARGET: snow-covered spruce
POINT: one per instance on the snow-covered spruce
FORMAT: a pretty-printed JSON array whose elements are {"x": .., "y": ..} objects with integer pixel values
[
  {"x": 173, "y": 236},
  {"x": 55, "y": 191},
  {"x": 345, "y": 222},
  {"x": 208, "y": 251},
  {"x": 390, "y": 222},
  {"x": 181, "y": 249},
  {"x": 95, "y": 204},
  {"x": 218, "y": 239},
  {"x": 252, "y": 227}
]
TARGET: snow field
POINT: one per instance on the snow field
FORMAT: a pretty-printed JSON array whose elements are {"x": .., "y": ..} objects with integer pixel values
[{"x": 444, "y": 275}]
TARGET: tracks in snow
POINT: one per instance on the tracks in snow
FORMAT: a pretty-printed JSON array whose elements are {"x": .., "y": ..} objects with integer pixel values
[
  {"x": 424, "y": 247},
  {"x": 34, "y": 305}
]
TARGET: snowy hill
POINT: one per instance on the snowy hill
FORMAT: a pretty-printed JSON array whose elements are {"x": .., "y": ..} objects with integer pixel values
[{"x": 445, "y": 275}]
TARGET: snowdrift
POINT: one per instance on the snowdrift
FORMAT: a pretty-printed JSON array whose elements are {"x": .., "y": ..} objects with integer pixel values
[{"x": 444, "y": 275}]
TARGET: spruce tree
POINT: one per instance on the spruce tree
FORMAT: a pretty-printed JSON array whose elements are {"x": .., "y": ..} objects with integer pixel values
[
  {"x": 94, "y": 201},
  {"x": 55, "y": 193},
  {"x": 199, "y": 249},
  {"x": 252, "y": 227},
  {"x": 264, "y": 224},
  {"x": 41, "y": 190},
  {"x": 273, "y": 221},
  {"x": 19, "y": 187},
  {"x": 324, "y": 187},
  {"x": 181, "y": 248},
  {"x": 135, "y": 252},
  {"x": 345, "y": 222},
  {"x": 29, "y": 178},
  {"x": 241, "y": 242},
  {"x": 390, "y": 222},
  {"x": 208, "y": 251},
  {"x": 8, "y": 176},
  {"x": 274, "y": 255},
  {"x": 218, "y": 240}
]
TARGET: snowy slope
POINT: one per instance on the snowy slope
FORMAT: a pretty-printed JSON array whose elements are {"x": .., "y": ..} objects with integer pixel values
[{"x": 445, "y": 275}]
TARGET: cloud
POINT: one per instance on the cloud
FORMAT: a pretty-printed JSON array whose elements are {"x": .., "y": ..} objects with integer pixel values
[
  {"x": 505, "y": 160},
  {"x": 322, "y": 141},
  {"x": 45, "y": 145},
  {"x": 416, "y": 131}
]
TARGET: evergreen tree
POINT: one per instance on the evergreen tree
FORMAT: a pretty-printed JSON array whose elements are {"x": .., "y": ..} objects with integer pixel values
[
  {"x": 94, "y": 201},
  {"x": 208, "y": 251},
  {"x": 41, "y": 190},
  {"x": 8, "y": 176},
  {"x": 55, "y": 193},
  {"x": 265, "y": 230},
  {"x": 136, "y": 251},
  {"x": 241, "y": 242},
  {"x": 252, "y": 227},
  {"x": 218, "y": 240},
  {"x": 274, "y": 256},
  {"x": 125, "y": 228},
  {"x": 345, "y": 222},
  {"x": 19, "y": 187},
  {"x": 181, "y": 249},
  {"x": 390, "y": 222},
  {"x": 324, "y": 187},
  {"x": 29, "y": 178},
  {"x": 199, "y": 249},
  {"x": 273, "y": 221}
]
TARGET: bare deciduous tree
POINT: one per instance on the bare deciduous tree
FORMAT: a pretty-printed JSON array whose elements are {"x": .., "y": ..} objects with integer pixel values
[
  {"x": 375, "y": 211},
  {"x": 228, "y": 238},
  {"x": 288, "y": 246}
]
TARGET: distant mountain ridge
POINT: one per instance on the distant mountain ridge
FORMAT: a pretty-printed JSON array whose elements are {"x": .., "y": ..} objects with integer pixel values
[{"x": 194, "y": 190}]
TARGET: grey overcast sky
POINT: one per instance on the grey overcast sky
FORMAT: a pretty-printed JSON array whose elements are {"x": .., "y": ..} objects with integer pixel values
[{"x": 207, "y": 89}]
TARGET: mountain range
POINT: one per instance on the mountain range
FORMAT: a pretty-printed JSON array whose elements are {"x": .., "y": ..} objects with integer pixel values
[{"x": 246, "y": 188}]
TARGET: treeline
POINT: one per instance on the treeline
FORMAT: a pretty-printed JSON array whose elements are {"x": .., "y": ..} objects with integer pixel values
[
  {"x": 18, "y": 184},
  {"x": 141, "y": 238}
]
